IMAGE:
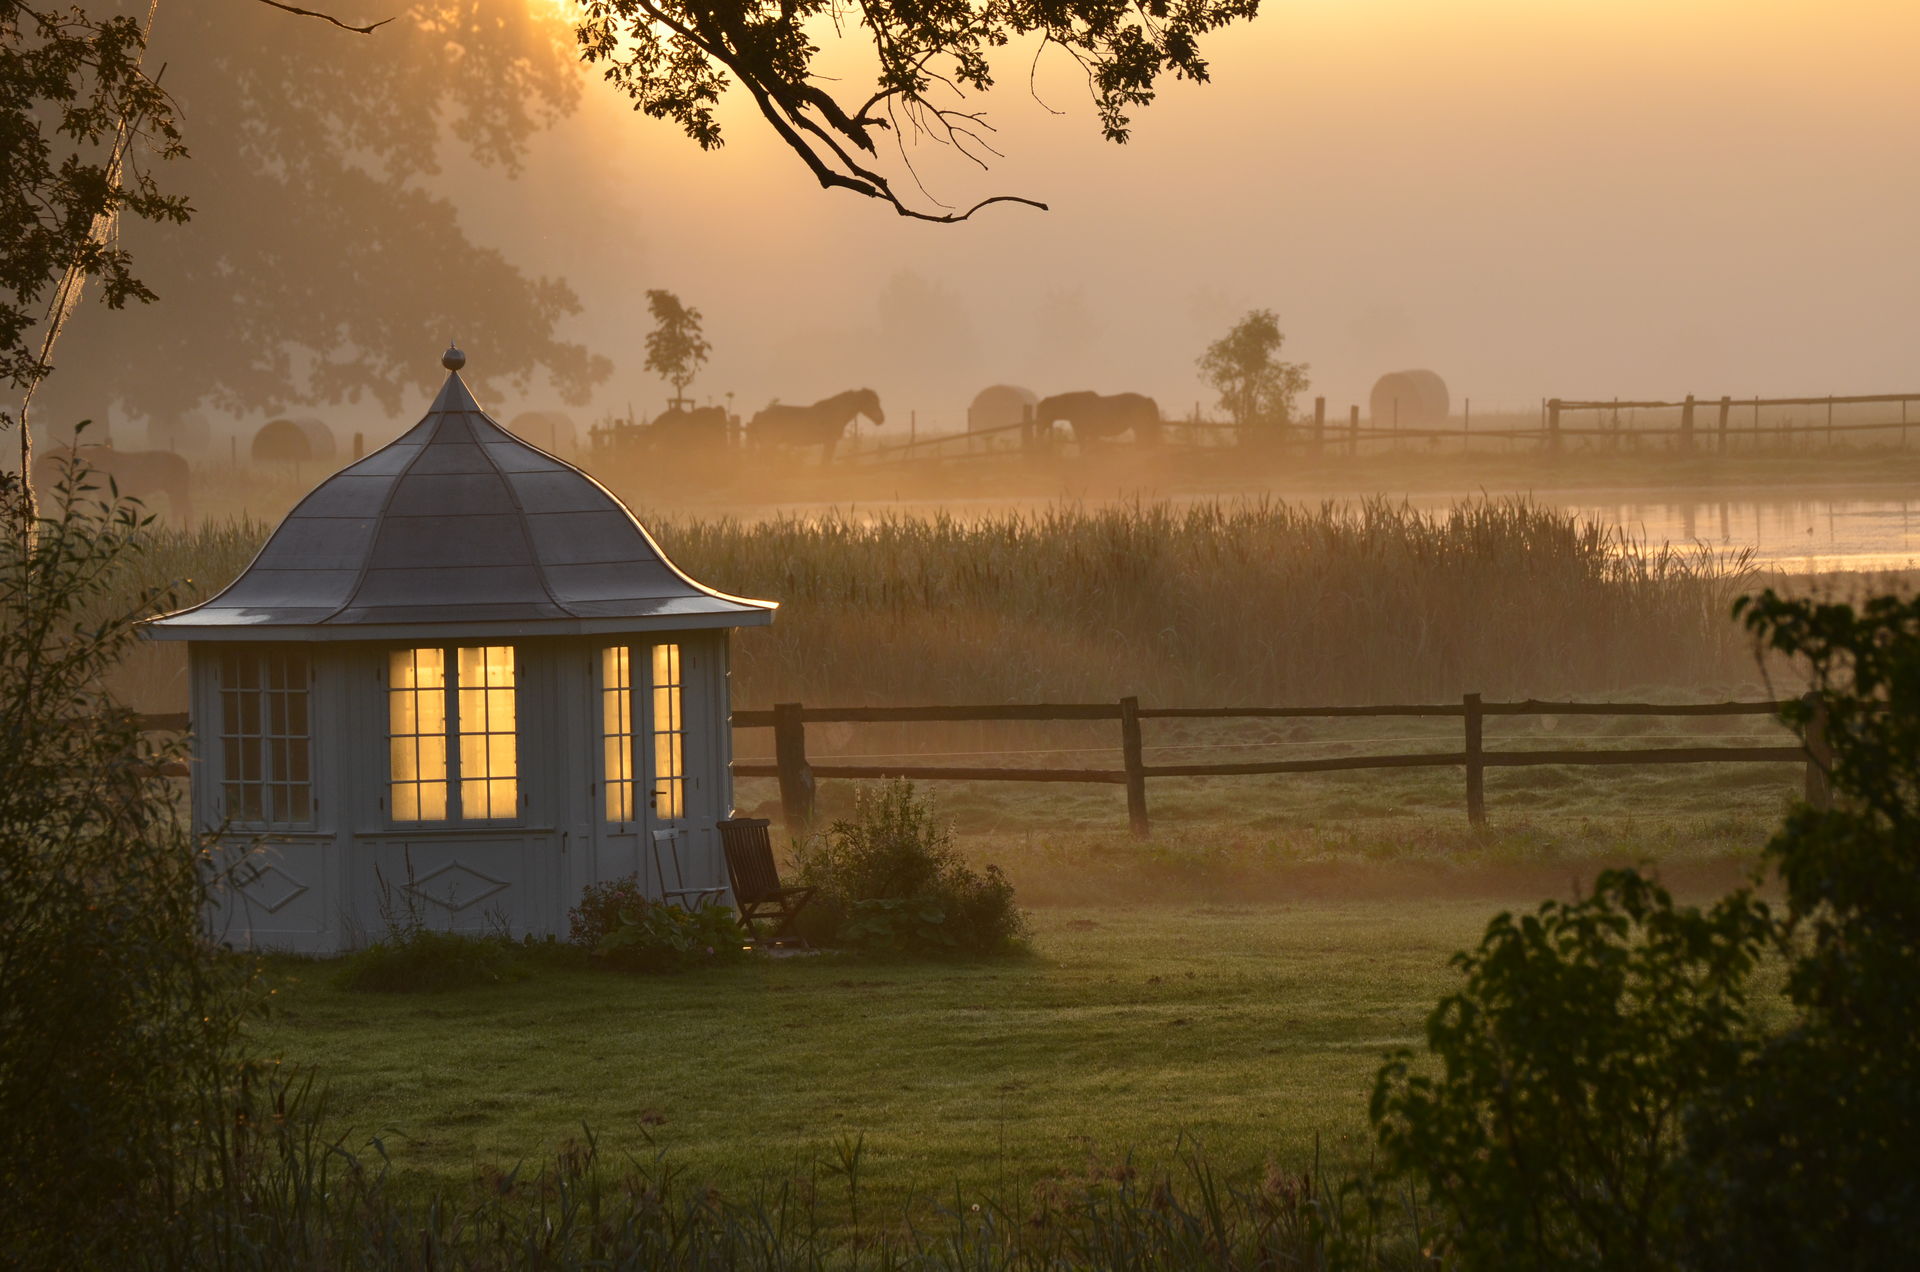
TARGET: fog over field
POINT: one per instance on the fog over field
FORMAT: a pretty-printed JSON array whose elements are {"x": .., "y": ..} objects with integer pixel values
[{"x": 1534, "y": 200}]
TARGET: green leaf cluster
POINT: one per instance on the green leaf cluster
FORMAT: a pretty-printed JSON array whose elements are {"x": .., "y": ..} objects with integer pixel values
[
  {"x": 622, "y": 928},
  {"x": 1607, "y": 1094},
  {"x": 889, "y": 880},
  {"x": 121, "y": 1053}
]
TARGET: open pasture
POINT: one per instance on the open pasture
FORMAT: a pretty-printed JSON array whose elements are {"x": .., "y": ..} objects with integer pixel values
[{"x": 1253, "y": 1030}]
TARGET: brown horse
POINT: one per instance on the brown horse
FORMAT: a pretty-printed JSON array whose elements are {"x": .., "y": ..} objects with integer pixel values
[
  {"x": 818, "y": 425},
  {"x": 1096, "y": 417},
  {"x": 134, "y": 473}
]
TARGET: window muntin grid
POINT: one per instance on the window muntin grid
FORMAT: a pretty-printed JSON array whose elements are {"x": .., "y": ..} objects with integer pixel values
[
  {"x": 669, "y": 735},
  {"x": 266, "y": 744},
  {"x": 453, "y": 741},
  {"x": 489, "y": 734},
  {"x": 616, "y": 731},
  {"x": 665, "y": 726}
]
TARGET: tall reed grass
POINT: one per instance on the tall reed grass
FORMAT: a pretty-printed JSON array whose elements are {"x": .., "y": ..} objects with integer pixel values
[
  {"x": 1225, "y": 602},
  {"x": 1221, "y": 602}
]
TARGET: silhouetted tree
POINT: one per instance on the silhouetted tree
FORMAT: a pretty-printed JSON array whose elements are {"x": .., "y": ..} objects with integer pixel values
[
  {"x": 676, "y": 57},
  {"x": 77, "y": 115},
  {"x": 675, "y": 347},
  {"x": 1255, "y": 386},
  {"x": 321, "y": 257}
]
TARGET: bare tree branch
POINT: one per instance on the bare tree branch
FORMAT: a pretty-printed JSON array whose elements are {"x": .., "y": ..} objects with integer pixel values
[{"x": 326, "y": 17}]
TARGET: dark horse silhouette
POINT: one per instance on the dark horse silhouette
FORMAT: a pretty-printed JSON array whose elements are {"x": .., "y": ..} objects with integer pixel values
[
  {"x": 1095, "y": 417},
  {"x": 135, "y": 473},
  {"x": 818, "y": 425},
  {"x": 702, "y": 428}
]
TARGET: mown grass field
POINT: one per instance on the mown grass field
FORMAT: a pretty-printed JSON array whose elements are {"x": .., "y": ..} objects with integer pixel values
[
  {"x": 1252, "y": 1029},
  {"x": 1234, "y": 989}
]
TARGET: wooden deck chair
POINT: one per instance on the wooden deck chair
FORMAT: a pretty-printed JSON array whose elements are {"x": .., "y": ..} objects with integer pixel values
[{"x": 757, "y": 889}]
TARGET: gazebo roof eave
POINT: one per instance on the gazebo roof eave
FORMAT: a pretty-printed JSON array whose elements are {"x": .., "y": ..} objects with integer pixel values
[{"x": 427, "y": 632}]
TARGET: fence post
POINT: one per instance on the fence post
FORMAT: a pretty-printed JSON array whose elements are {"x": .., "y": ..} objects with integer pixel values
[
  {"x": 1319, "y": 424},
  {"x": 1686, "y": 423},
  {"x": 796, "y": 775},
  {"x": 1353, "y": 430},
  {"x": 1553, "y": 424},
  {"x": 1135, "y": 766},
  {"x": 1726, "y": 408},
  {"x": 1819, "y": 754},
  {"x": 1476, "y": 765}
]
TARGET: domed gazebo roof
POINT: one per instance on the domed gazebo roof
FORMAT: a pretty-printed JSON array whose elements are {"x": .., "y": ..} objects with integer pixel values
[{"x": 458, "y": 528}]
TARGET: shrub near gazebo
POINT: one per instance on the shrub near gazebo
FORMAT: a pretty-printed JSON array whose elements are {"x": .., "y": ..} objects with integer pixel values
[{"x": 459, "y": 684}]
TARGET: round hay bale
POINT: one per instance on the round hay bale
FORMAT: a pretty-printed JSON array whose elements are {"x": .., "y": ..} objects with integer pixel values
[
  {"x": 551, "y": 431},
  {"x": 281, "y": 442},
  {"x": 1000, "y": 406},
  {"x": 321, "y": 444},
  {"x": 1409, "y": 399}
]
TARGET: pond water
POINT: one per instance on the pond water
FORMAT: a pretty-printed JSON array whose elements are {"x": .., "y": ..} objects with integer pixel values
[
  {"x": 1847, "y": 530},
  {"x": 1800, "y": 535}
]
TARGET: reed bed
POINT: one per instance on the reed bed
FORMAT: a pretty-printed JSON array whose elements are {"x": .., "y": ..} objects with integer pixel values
[
  {"x": 1213, "y": 603},
  {"x": 1217, "y": 603}
]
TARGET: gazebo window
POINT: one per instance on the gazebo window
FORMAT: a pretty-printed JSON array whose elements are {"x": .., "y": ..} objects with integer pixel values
[
  {"x": 453, "y": 742},
  {"x": 665, "y": 738},
  {"x": 266, "y": 748}
]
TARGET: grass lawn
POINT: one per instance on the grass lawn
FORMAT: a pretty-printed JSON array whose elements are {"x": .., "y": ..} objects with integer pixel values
[{"x": 1253, "y": 1028}]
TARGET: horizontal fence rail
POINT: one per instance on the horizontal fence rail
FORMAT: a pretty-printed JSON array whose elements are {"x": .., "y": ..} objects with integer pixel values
[
  {"x": 798, "y": 775},
  {"x": 1321, "y": 432}
]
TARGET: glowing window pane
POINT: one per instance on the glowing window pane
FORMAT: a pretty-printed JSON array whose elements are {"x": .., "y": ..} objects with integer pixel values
[
  {"x": 416, "y": 734},
  {"x": 489, "y": 750},
  {"x": 616, "y": 732},
  {"x": 669, "y": 769}
]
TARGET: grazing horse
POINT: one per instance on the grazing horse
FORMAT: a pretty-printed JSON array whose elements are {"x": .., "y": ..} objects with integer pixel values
[
  {"x": 1095, "y": 417},
  {"x": 704, "y": 428},
  {"x": 818, "y": 425},
  {"x": 134, "y": 473}
]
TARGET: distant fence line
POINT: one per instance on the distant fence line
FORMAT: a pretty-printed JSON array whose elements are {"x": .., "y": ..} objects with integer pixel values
[
  {"x": 1320, "y": 433},
  {"x": 798, "y": 776}
]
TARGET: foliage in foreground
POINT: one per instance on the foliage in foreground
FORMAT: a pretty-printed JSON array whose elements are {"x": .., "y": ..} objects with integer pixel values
[
  {"x": 296, "y": 1201},
  {"x": 889, "y": 880},
  {"x": 119, "y": 1027},
  {"x": 1606, "y": 1099}
]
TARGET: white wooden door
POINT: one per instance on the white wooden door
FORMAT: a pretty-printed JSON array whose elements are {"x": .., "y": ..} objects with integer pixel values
[{"x": 649, "y": 793}]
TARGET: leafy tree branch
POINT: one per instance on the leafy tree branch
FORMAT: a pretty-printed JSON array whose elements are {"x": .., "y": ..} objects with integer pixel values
[{"x": 676, "y": 57}]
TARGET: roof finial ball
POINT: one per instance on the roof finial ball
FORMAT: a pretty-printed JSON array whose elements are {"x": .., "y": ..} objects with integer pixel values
[{"x": 453, "y": 359}]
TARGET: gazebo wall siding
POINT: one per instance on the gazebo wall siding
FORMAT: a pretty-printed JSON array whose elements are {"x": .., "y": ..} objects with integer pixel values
[{"x": 355, "y": 874}]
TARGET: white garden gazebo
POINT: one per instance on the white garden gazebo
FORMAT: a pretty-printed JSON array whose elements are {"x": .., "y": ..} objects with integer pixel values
[{"x": 460, "y": 683}]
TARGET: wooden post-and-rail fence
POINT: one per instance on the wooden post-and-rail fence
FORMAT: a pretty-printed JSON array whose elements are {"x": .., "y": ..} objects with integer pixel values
[{"x": 798, "y": 775}]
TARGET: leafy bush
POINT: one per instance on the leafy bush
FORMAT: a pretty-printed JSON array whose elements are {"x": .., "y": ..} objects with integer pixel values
[
  {"x": 120, "y": 1045},
  {"x": 621, "y": 927},
  {"x": 1606, "y": 1101},
  {"x": 889, "y": 879},
  {"x": 1583, "y": 1035}
]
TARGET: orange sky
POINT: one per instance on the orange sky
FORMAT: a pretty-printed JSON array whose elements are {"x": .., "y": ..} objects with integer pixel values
[{"x": 1558, "y": 197}]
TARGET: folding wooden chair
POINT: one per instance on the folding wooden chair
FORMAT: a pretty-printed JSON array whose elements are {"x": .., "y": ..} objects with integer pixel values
[
  {"x": 666, "y": 846},
  {"x": 757, "y": 889}
]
